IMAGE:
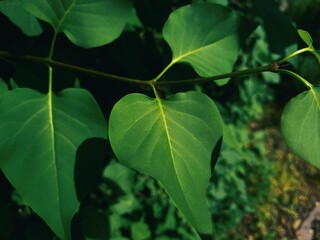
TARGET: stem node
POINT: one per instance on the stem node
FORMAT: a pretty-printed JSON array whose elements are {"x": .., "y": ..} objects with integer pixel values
[{"x": 275, "y": 67}]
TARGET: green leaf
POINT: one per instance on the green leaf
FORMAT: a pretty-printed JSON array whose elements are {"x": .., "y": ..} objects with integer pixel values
[
  {"x": 300, "y": 124},
  {"x": 120, "y": 174},
  {"x": 140, "y": 231},
  {"x": 40, "y": 135},
  {"x": 206, "y": 36},
  {"x": 222, "y": 82},
  {"x": 170, "y": 140},
  {"x": 305, "y": 36},
  {"x": 14, "y": 10},
  {"x": 222, "y": 2},
  {"x": 3, "y": 86},
  {"x": 87, "y": 23}
]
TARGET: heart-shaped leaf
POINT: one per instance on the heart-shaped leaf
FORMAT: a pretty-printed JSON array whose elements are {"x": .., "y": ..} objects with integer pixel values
[
  {"x": 86, "y": 23},
  {"x": 14, "y": 10},
  {"x": 207, "y": 36},
  {"x": 300, "y": 124},
  {"x": 40, "y": 134},
  {"x": 170, "y": 140}
]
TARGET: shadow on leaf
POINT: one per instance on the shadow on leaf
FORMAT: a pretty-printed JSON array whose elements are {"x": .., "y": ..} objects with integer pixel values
[{"x": 90, "y": 160}]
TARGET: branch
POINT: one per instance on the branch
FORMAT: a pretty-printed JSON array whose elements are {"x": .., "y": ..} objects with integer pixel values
[
  {"x": 54, "y": 63},
  {"x": 267, "y": 68}
]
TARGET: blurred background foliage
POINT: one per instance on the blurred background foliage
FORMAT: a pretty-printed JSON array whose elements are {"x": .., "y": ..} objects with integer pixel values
[{"x": 259, "y": 189}]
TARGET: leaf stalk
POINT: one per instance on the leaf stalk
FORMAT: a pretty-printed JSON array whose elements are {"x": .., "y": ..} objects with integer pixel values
[
  {"x": 307, "y": 49},
  {"x": 55, "y": 63},
  {"x": 296, "y": 76}
]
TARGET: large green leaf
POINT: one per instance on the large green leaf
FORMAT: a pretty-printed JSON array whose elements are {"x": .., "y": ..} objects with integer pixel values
[
  {"x": 14, "y": 10},
  {"x": 207, "y": 36},
  {"x": 301, "y": 125},
  {"x": 40, "y": 135},
  {"x": 87, "y": 23},
  {"x": 172, "y": 141}
]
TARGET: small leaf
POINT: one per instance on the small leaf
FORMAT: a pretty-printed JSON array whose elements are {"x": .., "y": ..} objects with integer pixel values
[
  {"x": 13, "y": 84},
  {"x": 170, "y": 140},
  {"x": 140, "y": 231},
  {"x": 222, "y": 2},
  {"x": 207, "y": 36},
  {"x": 300, "y": 125},
  {"x": 39, "y": 139},
  {"x": 3, "y": 86},
  {"x": 14, "y": 10},
  {"x": 305, "y": 36},
  {"x": 86, "y": 23},
  {"x": 120, "y": 174}
]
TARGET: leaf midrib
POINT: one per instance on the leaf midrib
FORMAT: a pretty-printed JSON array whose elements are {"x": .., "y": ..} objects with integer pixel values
[
  {"x": 170, "y": 146},
  {"x": 51, "y": 121},
  {"x": 54, "y": 156},
  {"x": 166, "y": 128},
  {"x": 181, "y": 57},
  {"x": 67, "y": 11}
]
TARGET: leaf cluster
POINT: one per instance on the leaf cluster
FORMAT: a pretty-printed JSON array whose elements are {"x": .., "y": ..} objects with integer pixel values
[{"x": 55, "y": 132}]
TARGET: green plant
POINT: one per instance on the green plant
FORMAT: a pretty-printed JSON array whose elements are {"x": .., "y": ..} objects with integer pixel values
[{"x": 45, "y": 137}]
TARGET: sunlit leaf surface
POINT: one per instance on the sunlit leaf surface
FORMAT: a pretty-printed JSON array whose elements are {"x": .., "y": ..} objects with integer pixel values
[
  {"x": 87, "y": 23},
  {"x": 207, "y": 36},
  {"x": 40, "y": 136},
  {"x": 301, "y": 125},
  {"x": 172, "y": 141}
]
